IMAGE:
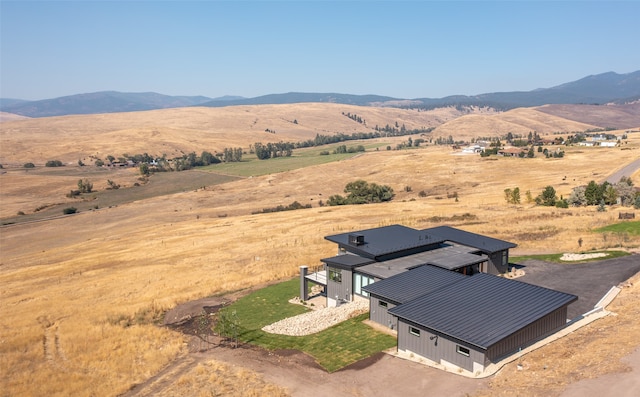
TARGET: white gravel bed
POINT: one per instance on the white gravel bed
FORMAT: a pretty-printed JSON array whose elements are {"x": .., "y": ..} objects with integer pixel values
[
  {"x": 579, "y": 257},
  {"x": 317, "y": 320}
]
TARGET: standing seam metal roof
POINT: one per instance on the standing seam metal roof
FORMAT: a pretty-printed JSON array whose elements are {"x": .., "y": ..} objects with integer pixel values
[
  {"x": 482, "y": 309},
  {"x": 483, "y": 243},
  {"x": 413, "y": 283},
  {"x": 386, "y": 240}
]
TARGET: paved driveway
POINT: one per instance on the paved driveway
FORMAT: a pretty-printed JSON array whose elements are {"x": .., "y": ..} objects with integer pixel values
[{"x": 589, "y": 281}]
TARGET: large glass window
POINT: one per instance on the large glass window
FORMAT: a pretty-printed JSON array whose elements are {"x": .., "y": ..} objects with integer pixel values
[
  {"x": 359, "y": 281},
  {"x": 335, "y": 275}
]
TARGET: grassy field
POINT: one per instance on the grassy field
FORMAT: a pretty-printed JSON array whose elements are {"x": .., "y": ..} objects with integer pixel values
[
  {"x": 301, "y": 158},
  {"x": 333, "y": 348},
  {"x": 78, "y": 292},
  {"x": 631, "y": 228}
]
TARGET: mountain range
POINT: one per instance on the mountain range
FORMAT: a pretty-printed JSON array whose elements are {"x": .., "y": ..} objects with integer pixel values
[{"x": 603, "y": 88}]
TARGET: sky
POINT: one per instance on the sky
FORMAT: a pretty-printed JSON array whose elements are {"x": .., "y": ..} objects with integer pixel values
[{"x": 411, "y": 49}]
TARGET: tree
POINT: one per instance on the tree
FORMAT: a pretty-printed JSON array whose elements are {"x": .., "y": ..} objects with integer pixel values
[
  {"x": 577, "y": 197},
  {"x": 99, "y": 163},
  {"x": 69, "y": 210},
  {"x": 507, "y": 195},
  {"x": 85, "y": 186},
  {"x": 144, "y": 169},
  {"x": 530, "y": 153},
  {"x": 593, "y": 193},
  {"x": 361, "y": 192},
  {"x": 512, "y": 196},
  {"x": 515, "y": 196},
  {"x": 626, "y": 191},
  {"x": 547, "y": 197},
  {"x": 610, "y": 195},
  {"x": 29, "y": 165}
]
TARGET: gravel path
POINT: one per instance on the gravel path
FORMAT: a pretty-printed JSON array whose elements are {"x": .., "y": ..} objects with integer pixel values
[{"x": 317, "y": 320}]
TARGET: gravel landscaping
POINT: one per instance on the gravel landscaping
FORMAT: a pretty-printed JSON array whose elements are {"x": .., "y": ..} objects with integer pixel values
[
  {"x": 317, "y": 320},
  {"x": 580, "y": 257}
]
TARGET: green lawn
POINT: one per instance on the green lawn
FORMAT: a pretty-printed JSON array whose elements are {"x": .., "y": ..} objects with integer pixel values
[
  {"x": 629, "y": 227},
  {"x": 301, "y": 158},
  {"x": 555, "y": 258},
  {"x": 333, "y": 348}
]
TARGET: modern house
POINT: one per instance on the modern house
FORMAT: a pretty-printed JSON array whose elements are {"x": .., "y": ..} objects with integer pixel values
[{"x": 440, "y": 289}]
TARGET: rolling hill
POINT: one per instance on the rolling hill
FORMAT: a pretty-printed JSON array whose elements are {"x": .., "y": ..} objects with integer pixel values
[
  {"x": 597, "y": 89},
  {"x": 177, "y": 131}
]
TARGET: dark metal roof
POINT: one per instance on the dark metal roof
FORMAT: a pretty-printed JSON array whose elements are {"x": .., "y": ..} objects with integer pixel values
[
  {"x": 483, "y": 243},
  {"x": 412, "y": 284},
  {"x": 386, "y": 240},
  {"x": 348, "y": 262},
  {"x": 482, "y": 309},
  {"x": 449, "y": 256}
]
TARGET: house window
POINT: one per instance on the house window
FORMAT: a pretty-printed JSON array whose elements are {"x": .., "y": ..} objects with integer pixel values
[
  {"x": 335, "y": 275},
  {"x": 414, "y": 331},
  {"x": 463, "y": 350},
  {"x": 382, "y": 304},
  {"x": 359, "y": 281}
]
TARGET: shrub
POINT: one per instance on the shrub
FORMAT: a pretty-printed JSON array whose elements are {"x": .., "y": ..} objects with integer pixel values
[
  {"x": 69, "y": 210},
  {"x": 99, "y": 163},
  {"x": 20, "y": 213},
  {"x": 293, "y": 206},
  {"x": 53, "y": 163},
  {"x": 324, "y": 153},
  {"x": 29, "y": 165}
]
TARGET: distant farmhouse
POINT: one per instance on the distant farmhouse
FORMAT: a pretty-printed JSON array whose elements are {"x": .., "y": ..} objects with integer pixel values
[{"x": 441, "y": 290}]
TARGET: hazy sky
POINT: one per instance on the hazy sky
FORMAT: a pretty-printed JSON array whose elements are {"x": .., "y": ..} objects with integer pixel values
[{"x": 401, "y": 49}]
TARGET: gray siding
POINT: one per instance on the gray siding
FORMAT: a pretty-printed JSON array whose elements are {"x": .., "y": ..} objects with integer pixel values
[
  {"x": 380, "y": 314},
  {"x": 495, "y": 265},
  {"x": 439, "y": 348},
  {"x": 340, "y": 290},
  {"x": 529, "y": 334}
]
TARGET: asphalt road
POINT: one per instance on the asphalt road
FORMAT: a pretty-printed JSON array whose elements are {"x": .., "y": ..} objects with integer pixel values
[
  {"x": 590, "y": 281},
  {"x": 627, "y": 170}
]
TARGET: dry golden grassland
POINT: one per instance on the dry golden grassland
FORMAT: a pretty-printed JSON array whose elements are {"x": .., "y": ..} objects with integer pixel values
[
  {"x": 213, "y": 378},
  {"x": 175, "y": 132},
  {"x": 79, "y": 294}
]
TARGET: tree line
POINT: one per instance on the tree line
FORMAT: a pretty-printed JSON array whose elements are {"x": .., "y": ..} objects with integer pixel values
[{"x": 593, "y": 194}]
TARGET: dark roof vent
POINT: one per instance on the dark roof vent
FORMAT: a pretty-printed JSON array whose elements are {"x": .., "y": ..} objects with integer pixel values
[{"x": 356, "y": 239}]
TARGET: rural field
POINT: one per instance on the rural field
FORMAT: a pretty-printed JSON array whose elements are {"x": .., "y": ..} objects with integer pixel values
[{"x": 82, "y": 295}]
